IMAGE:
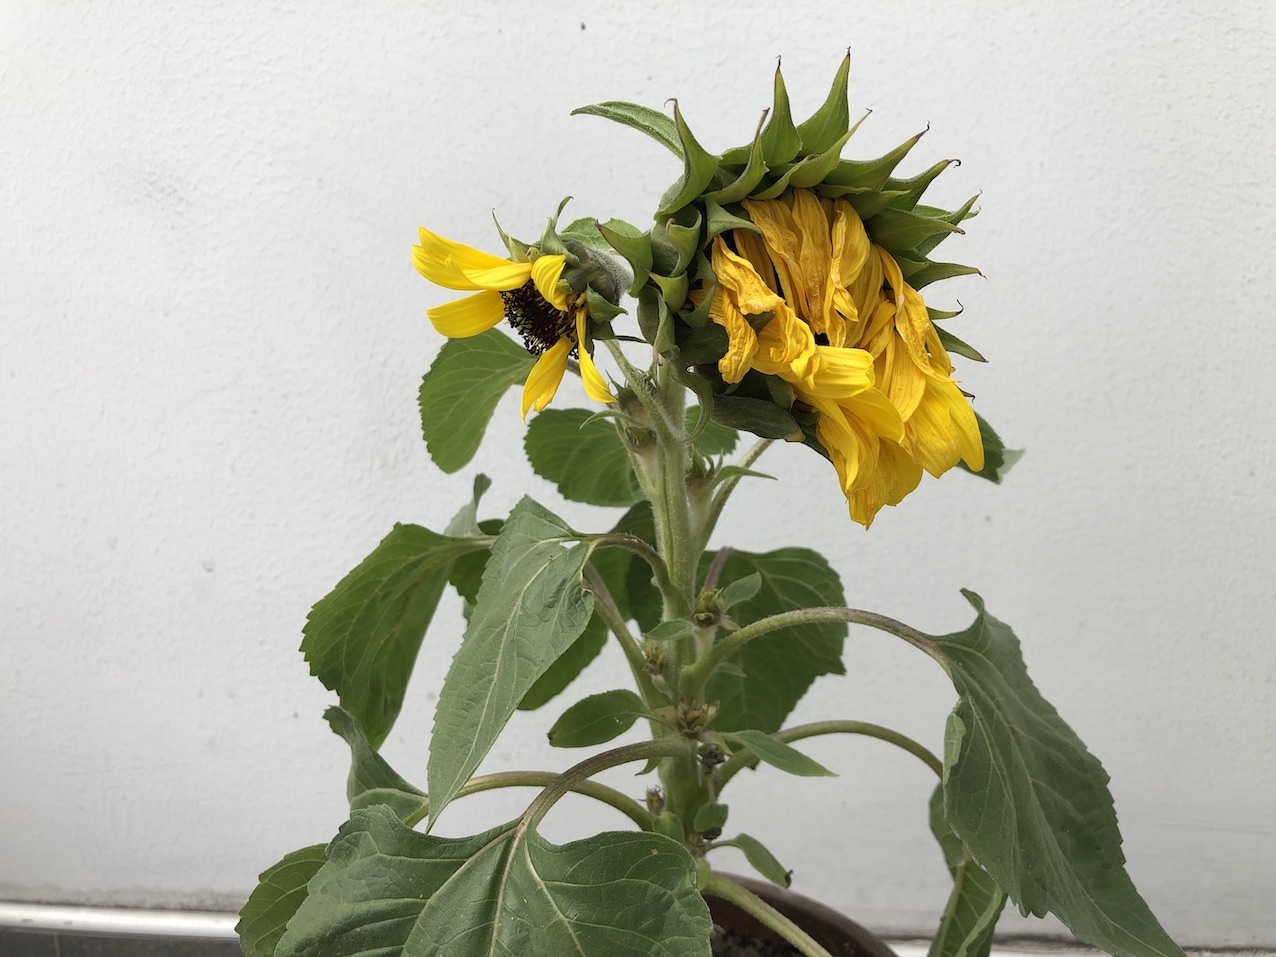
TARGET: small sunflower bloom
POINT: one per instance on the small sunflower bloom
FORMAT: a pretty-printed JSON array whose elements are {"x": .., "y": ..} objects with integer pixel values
[
  {"x": 551, "y": 318},
  {"x": 851, "y": 337}
]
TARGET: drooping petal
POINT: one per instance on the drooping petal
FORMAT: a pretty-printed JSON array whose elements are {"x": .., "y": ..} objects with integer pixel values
[
  {"x": 595, "y": 385},
  {"x": 841, "y": 373},
  {"x": 454, "y": 265},
  {"x": 546, "y": 272},
  {"x": 742, "y": 341},
  {"x": 466, "y": 257},
  {"x": 469, "y": 316},
  {"x": 503, "y": 277},
  {"x": 546, "y": 376}
]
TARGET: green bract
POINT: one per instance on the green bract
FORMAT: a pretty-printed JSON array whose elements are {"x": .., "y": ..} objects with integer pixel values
[{"x": 720, "y": 644}]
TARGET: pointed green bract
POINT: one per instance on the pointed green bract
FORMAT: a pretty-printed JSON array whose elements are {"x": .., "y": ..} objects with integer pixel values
[
  {"x": 830, "y": 121},
  {"x": 362, "y": 640},
  {"x": 641, "y": 118},
  {"x": 998, "y": 459},
  {"x": 976, "y": 902},
  {"x": 529, "y": 609},
  {"x": 460, "y": 392},
  {"x": 780, "y": 667},
  {"x": 505, "y": 891},
  {"x": 371, "y": 779},
  {"x": 780, "y": 139},
  {"x": 699, "y": 166},
  {"x": 1030, "y": 802},
  {"x": 280, "y": 890}
]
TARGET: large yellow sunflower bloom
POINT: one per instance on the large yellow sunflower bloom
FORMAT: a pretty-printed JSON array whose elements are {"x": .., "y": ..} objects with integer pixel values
[
  {"x": 851, "y": 337},
  {"x": 550, "y": 318}
]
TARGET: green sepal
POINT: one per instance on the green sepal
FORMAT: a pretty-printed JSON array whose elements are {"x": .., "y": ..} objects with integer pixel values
[
  {"x": 517, "y": 249},
  {"x": 957, "y": 346},
  {"x": 718, "y": 221},
  {"x": 641, "y": 118},
  {"x": 764, "y": 419},
  {"x": 550, "y": 243},
  {"x": 952, "y": 218},
  {"x": 699, "y": 316},
  {"x": 921, "y": 272},
  {"x": 651, "y": 311},
  {"x": 830, "y": 121},
  {"x": 998, "y": 459},
  {"x": 673, "y": 289},
  {"x": 698, "y": 168},
  {"x": 902, "y": 229},
  {"x": 939, "y": 315},
  {"x": 601, "y": 309},
  {"x": 780, "y": 139},
  {"x": 867, "y": 202},
  {"x": 708, "y": 437},
  {"x": 871, "y": 174},
  {"x": 911, "y": 189},
  {"x": 699, "y": 346},
  {"x": 749, "y": 177},
  {"x": 631, "y": 243},
  {"x": 674, "y": 243}
]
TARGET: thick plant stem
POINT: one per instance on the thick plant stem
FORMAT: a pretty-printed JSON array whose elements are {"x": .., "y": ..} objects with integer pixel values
[
  {"x": 745, "y": 758},
  {"x": 542, "y": 779},
  {"x": 605, "y": 605},
  {"x": 715, "y": 885}
]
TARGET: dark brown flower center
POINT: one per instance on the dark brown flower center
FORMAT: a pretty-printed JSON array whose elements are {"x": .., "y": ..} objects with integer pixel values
[{"x": 535, "y": 319}]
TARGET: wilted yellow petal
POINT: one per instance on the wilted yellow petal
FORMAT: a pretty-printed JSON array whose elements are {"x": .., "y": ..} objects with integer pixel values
[
  {"x": 595, "y": 385},
  {"x": 469, "y": 316},
  {"x": 546, "y": 272},
  {"x": 840, "y": 373},
  {"x": 546, "y": 376}
]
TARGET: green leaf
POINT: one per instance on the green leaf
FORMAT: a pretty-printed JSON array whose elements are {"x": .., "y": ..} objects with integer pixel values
[
  {"x": 830, "y": 121},
  {"x": 280, "y": 890},
  {"x": 761, "y": 859},
  {"x": 597, "y": 719},
  {"x": 583, "y": 456},
  {"x": 530, "y": 609},
  {"x": 371, "y": 779},
  {"x": 710, "y": 817},
  {"x": 714, "y": 439},
  {"x": 461, "y": 390},
  {"x": 465, "y": 522},
  {"x": 362, "y": 639},
  {"x": 764, "y": 419},
  {"x": 1030, "y": 802},
  {"x": 672, "y": 630},
  {"x": 641, "y": 118},
  {"x": 781, "y": 666},
  {"x": 567, "y": 667},
  {"x": 466, "y": 573},
  {"x": 778, "y": 754},
  {"x": 998, "y": 459},
  {"x": 387, "y": 889},
  {"x": 742, "y": 589},
  {"x": 976, "y": 902}
]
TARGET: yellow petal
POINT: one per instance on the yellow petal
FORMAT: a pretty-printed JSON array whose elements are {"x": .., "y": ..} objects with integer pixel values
[
  {"x": 595, "y": 384},
  {"x": 546, "y": 272},
  {"x": 504, "y": 277},
  {"x": 786, "y": 347},
  {"x": 466, "y": 257},
  {"x": 841, "y": 373},
  {"x": 543, "y": 381},
  {"x": 875, "y": 411},
  {"x": 742, "y": 341},
  {"x": 469, "y": 316}
]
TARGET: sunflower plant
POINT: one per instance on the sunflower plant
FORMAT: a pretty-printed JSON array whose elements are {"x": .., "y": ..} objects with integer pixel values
[{"x": 776, "y": 295}]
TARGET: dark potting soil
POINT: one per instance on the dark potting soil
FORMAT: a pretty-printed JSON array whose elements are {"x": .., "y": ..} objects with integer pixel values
[{"x": 728, "y": 943}]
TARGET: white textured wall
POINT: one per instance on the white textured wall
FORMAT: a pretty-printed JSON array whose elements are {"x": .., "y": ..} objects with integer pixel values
[{"x": 211, "y": 338}]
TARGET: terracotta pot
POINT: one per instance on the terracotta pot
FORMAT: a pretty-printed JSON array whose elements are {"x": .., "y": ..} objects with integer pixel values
[{"x": 837, "y": 934}]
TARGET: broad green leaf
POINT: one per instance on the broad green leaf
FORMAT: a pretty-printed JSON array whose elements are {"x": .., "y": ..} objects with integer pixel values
[
  {"x": 583, "y": 456},
  {"x": 371, "y": 779},
  {"x": 764, "y": 419},
  {"x": 970, "y": 917},
  {"x": 761, "y": 859},
  {"x": 567, "y": 666},
  {"x": 280, "y": 890},
  {"x": 998, "y": 459},
  {"x": 388, "y": 890},
  {"x": 362, "y": 639},
  {"x": 461, "y": 390},
  {"x": 778, "y": 667},
  {"x": 530, "y": 608},
  {"x": 714, "y": 439},
  {"x": 778, "y": 754},
  {"x": 1030, "y": 802},
  {"x": 642, "y": 118},
  {"x": 467, "y": 570},
  {"x": 597, "y": 719}
]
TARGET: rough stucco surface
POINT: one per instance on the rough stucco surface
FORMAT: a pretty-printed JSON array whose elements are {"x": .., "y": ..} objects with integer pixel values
[{"x": 212, "y": 335}]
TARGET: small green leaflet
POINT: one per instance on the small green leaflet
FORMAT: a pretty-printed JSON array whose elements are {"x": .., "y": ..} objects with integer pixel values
[
  {"x": 583, "y": 456},
  {"x": 530, "y": 608},
  {"x": 780, "y": 667},
  {"x": 507, "y": 891},
  {"x": 976, "y": 902},
  {"x": 280, "y": 890},
  {"x": 362, "y": 640},
  {"x": 761, "y": 859},
  {"x": 778, "y": 754},
  {"x": 460, "y": 392},
  {"x": 1030, "y": 802},
  {"x": 597, "y": 719}
]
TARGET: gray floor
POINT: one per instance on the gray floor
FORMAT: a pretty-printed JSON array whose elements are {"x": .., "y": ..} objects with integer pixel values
[{"x": 14, "y": 943}]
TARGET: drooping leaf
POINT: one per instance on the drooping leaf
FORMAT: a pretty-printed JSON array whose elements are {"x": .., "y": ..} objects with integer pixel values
[
  {"x": 760, "y": 858},
  {"x": 530, "y": 608},
  {"x": 371, "y": 779},
  {"x": 970, "y": 917},
  {"x": 465, "y": 521},
  {"x": 506, "y": 891},
  {"x": 362, "y": 640},
  {"x": 1030, "y": 802},
  {"x": 781, "y": 666},
  {"x": 461, "y": 390},
  {"x": 280, "y": 890},
  {"x": 597, "y": 719},
  {"x": 778, "y": 754},
  {"x": 466, "y": 573},
  {"x": 641, "y": 118},
  {"x": 998, "y": 459},
  {"x": 583, "y": 456}
]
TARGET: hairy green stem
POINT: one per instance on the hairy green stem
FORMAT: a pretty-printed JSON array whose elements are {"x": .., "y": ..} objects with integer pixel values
[
  {"x": 665, "y": 426},
  {"x": 728, "y": 486},
  {"x": 745, "y": 758},
  {"x": 632, "y": 543},
  {"x": 605, "y": 605},
  {"x": 715, "y": 885},
  {"x": 541, "y": 779},
  {"x": 698, "y": 673}
]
